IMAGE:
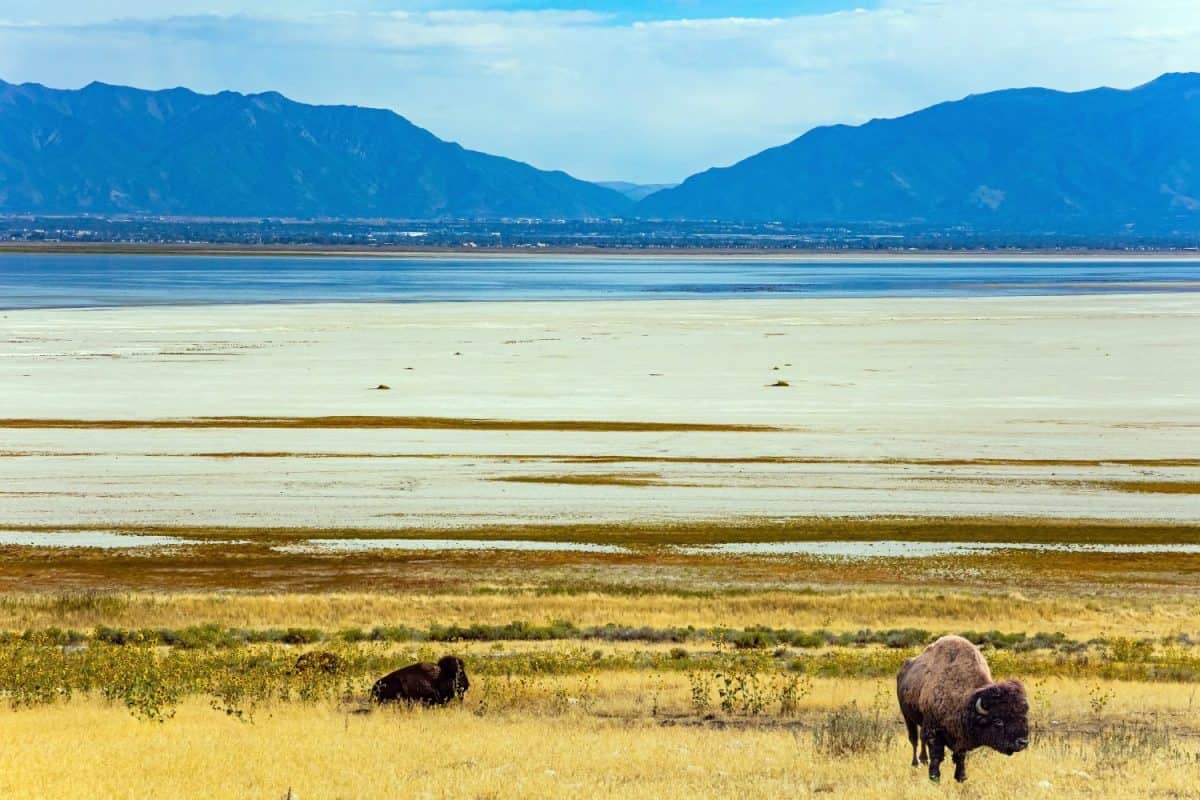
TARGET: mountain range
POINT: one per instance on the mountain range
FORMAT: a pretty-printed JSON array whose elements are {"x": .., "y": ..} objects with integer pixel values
[
  {"x": 1019, "y": 159},
  {"x": 106, "y": 149},
  {"x": 637, "y": 191},
  {"x": 1014, "y": 160}
]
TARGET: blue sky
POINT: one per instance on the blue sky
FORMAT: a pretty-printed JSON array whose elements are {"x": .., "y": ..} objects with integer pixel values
[
  {"x": 605, "y": 89},
  {"x": 670, "y": 9}
]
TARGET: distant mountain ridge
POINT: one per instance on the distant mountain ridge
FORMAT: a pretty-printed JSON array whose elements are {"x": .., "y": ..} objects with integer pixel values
[
  {"x": 636, "y": 191},
  {"x": 1018, "y": 160},
  {"x": 1097, "y": 160},
  {"x": 106, "y": 149}
]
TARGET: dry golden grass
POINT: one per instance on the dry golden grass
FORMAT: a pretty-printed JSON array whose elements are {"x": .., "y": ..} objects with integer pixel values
[
  {"x": 613, "y": 733},
  {"x": 1080, "y": 618},
  {"x": 87, "y": 749}
]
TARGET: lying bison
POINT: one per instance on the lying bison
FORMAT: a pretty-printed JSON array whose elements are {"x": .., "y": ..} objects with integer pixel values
[
  {"x": 948, "y": 698},
  {"x": 429, "y": 684}
]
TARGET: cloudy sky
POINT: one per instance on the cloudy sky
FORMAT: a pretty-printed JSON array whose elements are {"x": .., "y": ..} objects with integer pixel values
[{"x": 605, "y": 89}]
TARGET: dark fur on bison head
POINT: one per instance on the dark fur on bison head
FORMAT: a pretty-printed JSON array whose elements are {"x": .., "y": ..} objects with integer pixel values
[
  {"x": 452, "y": 682},
  {"x": 997, "y": 716}
]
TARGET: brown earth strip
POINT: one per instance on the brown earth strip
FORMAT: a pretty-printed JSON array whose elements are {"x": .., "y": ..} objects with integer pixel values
[
  {"x": 609, "y": 479},
  {"x": 1135, "y": 487},
  {"x": 1149, "y": 487},
  {"x": 258, "y": 569}
]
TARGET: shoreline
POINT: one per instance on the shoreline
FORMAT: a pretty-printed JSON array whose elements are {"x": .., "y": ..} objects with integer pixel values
[
  {"x": 814, "y": 255},
  {"x": 349, "y": 303},
  {"x": 1122, "y": 295}
]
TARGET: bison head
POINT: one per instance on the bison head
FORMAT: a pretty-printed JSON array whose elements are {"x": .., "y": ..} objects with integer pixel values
[
  {"x": 997, "y": 716},
  {"x": 452, "y": 677}
]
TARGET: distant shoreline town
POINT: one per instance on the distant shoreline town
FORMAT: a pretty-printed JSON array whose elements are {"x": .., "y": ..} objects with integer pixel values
[{"x": 294, "y": 237}]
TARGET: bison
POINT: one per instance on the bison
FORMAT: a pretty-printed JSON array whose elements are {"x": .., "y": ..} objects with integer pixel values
[
  {"x": 948, "y": 699},
  {"x": 428, "y": 684}
]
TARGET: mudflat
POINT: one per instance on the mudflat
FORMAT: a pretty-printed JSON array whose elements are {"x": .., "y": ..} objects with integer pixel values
[{"x": 467, "y": 414}]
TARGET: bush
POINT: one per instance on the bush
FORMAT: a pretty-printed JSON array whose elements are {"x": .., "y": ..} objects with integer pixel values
[
  {"x": 809, "y": 641},
  {"x": 321, "y": 662},
  {"x": 906, "y": 638},
  {"x": 1135, "y": 651},
  {"x": 301, "y": 636},
  {"x": 394, "y": 634},
  {"x": 1126, "y": 741},
  {"x": 199, "y": 637},
  {"x": 850, "y": 731},
  {"x": 353, "y": 635},
  {"x": 753, "y": 639}
]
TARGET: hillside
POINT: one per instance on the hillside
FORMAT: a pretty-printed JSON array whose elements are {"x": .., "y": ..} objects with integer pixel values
[
  {"x": 1023, "y": 159},
  {"x": 108, "y": 149}
]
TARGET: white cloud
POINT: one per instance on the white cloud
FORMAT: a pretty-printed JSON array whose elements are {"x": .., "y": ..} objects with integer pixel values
[{"x": 648, "y": 101}]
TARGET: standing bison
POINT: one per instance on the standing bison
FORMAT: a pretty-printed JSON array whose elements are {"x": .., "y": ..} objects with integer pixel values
[
  {"x": 948, "y": 698},
  {"x": 428, "y": 684}
]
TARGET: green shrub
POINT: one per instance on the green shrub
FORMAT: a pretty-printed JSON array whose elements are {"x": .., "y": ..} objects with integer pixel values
[
  {"x": 302, "y": 636},
  {"x": 753, "y": 639},
  {"x": 353, "y": 635}
]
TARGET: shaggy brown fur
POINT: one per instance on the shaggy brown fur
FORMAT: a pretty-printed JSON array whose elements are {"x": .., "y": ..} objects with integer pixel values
[
  {"x": 948, "y": 699},
  {"x": 430, "y": 684}
]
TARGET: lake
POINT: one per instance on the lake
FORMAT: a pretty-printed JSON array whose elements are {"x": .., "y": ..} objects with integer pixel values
[{"x": 58, "y": 280}]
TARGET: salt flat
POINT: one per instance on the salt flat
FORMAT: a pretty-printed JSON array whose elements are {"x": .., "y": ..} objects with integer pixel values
[{"x": 1047, "y": 406}]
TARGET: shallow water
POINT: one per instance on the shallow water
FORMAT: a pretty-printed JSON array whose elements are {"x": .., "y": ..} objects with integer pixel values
[
  {"x": 83, "y": 280},
  {"x": 103, "y": 540},
  {"x": 361, "y": 545},
  {"x": 899, "y": 549}
]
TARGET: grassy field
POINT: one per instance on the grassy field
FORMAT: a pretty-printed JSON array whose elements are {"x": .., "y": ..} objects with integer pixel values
[
  {"x": 1082, "y": 616},
  {"x": 635, "y": 674},
  {"x": 582, "y": 692},
  {"x": 648, "y": 672},
  {"x": 621, "y": 734},
  {"x": 323, "y": 753}
]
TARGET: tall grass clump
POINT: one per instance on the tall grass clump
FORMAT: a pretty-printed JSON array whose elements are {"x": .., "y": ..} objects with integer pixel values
[{"x": 850, "y": 731}]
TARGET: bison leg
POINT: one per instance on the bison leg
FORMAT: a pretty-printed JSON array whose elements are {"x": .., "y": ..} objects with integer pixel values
[
  {"x": 937, "y": 754},
  {"x": 912, "y": 739},
  {"x": 960, "y": 766}
]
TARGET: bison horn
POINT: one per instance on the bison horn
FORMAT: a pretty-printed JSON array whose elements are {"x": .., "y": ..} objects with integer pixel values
[{"x": 983, "y": 712}]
